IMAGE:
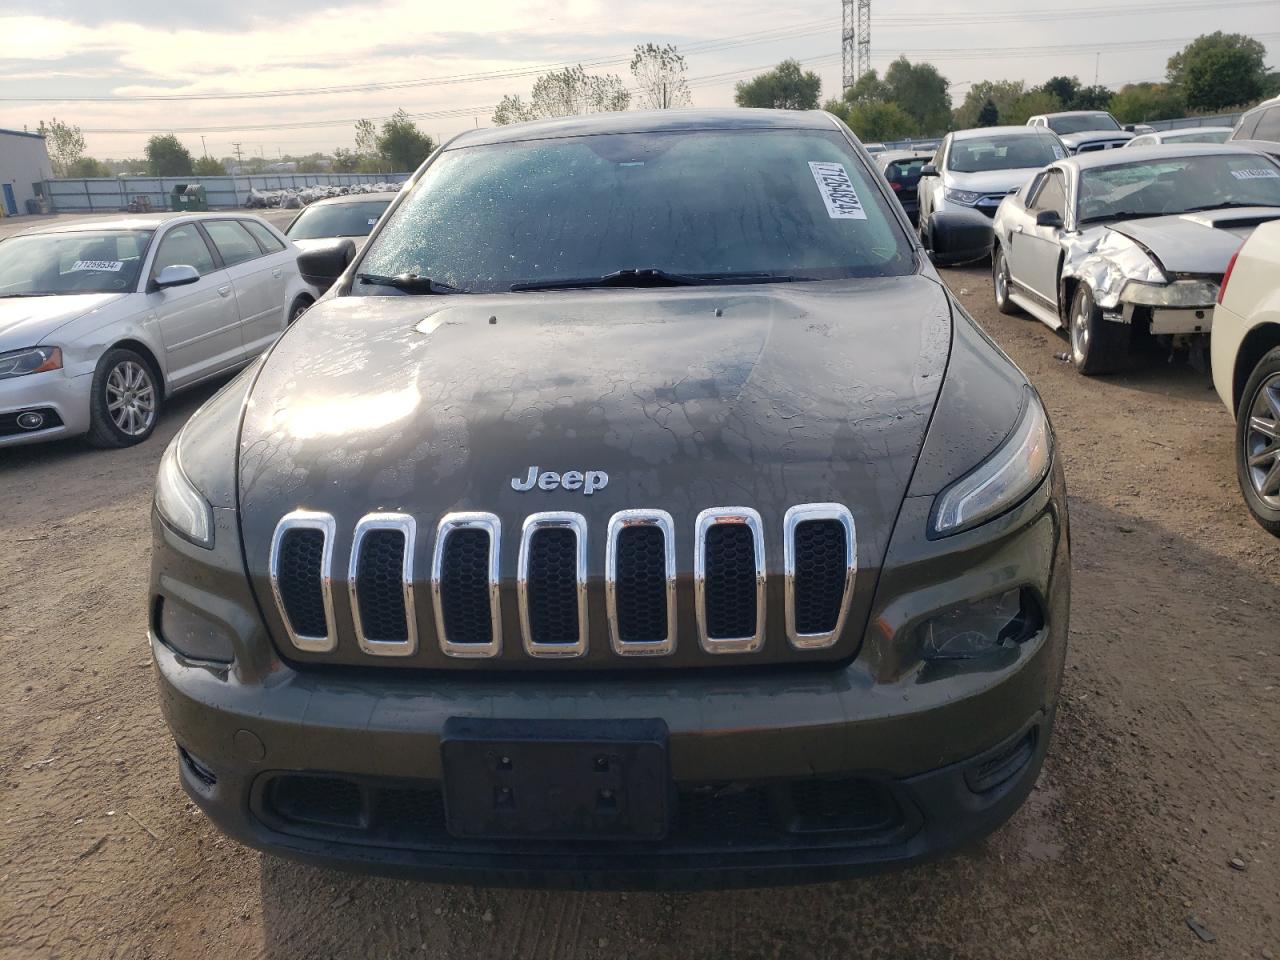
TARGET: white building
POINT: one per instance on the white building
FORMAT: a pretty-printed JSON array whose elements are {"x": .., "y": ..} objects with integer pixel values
[{"x": 24, "y": 166}]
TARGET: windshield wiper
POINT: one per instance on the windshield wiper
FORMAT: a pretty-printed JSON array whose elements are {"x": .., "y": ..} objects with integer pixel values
[
  {"x": 408, "y": 282},
  {"x": 651, "y": 277},
  {"x": 1232, "y": 204},
  {"x": 1127, "y": 215}
]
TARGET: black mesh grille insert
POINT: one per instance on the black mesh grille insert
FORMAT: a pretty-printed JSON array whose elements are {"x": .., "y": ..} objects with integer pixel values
[
  {"x": 321, "y": 800},
  {"x": 641, "y": 587},
  {"x": 821, "y": 554},
  {"x": 301, "y": 552},
  {"x": 730, "y": 588},
  {"x": 553, "y": 586},
  {"x": 464, "y": 587},
  {"x": 380, "y": 586}
]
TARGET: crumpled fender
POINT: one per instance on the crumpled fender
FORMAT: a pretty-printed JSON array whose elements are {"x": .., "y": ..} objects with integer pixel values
[{"x": 1106, "y": 261}]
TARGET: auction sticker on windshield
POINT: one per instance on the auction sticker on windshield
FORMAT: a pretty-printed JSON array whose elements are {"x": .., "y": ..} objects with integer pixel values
[
  {"x": 113, "y": 266},
  {"x": 837, "y": 190},
  {"x": 1262, "y": 174}
]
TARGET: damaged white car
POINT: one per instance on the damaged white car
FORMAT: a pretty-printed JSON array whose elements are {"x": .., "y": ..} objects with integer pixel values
[{"x": 1126, "y": 245}]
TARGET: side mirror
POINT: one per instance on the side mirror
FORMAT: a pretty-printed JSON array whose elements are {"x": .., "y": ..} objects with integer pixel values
[
  {"x": 1130, "y": 127},
  {"x": 322, "y": 264},
  {"x": 1049, "y": 218},
  {"x": 928, "y": 170},
  {"x": 960, "y": 236},
  {"x": 177, "y": 275}
]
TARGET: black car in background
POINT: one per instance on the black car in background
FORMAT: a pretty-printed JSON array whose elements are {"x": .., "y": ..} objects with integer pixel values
[
  {"x": 353, "y": 216},
  {"x": 902, "y": 169}
]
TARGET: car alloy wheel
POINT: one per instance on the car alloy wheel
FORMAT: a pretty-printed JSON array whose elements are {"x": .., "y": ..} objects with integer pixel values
[
  {"x": 1001, "y": 281},
  {"x": 131, "y": 398},
  {"x": 1262, "y": 442}
]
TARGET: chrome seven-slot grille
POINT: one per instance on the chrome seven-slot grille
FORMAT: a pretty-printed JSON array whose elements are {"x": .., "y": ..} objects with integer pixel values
[{"x": 819, "y": 566}]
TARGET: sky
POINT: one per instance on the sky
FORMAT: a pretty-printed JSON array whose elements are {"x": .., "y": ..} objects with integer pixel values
[{"x": 450, "y": 63}]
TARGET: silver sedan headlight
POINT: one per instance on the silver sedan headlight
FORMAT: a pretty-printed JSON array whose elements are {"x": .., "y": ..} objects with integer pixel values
[
  {"x": 19, "y": 363},
  {"x": 1180, "y": 293},
  {"x": 182, "y": 507},
  {"x": 1003, "y": 479}
]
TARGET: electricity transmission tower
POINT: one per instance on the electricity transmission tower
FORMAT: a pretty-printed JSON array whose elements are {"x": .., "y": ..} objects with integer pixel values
[{"x": 855, "y": 39}]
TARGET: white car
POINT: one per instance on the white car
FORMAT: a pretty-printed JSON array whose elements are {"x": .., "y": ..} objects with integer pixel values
[
  {"x": 1245, "y": 351},
  {"x": 1084, "y": 131},
  {"x": 1185, "y": 135},
  {"x": 100, "y": 321}
]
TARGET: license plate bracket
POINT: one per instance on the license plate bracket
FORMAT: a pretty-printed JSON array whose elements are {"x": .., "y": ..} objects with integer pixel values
[{"x": 555, "y": 779}]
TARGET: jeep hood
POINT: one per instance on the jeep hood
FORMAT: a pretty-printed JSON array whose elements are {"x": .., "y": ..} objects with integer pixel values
[
  {"x": 763, "y": 396},
  {"x": 30, "y": 321},
  {"x": 1196, "y": 243}
]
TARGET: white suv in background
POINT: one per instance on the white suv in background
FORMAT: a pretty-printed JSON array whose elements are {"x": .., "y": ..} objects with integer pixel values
[
  {"x": 1084, "y": 131},
  {"x": 1245, "y": 349}
]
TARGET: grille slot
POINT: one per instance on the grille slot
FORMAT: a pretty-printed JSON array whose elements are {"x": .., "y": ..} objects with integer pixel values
[
  {"x": 640, "y": 582},
  {"x": 464, "y": 582},
  {"x": 552, "y": 584},
  {"x": 819, "y": 560},
  {"x": 729, "y": 576},
  {"x": 300, "y": 571},
  {"x": 380, "y": 579}
]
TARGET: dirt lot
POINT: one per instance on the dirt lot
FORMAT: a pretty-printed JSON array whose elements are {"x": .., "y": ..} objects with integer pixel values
[{"x": 1163, "y": 768}]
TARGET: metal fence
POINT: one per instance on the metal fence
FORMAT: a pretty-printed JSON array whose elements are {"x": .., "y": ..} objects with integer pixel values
[{"x": 105, "y": 194}]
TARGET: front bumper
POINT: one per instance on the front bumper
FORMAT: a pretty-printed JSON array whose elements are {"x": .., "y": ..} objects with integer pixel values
[{"x": 67, "y": 397}]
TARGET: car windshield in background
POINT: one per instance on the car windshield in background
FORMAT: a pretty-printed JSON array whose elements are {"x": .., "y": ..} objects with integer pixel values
[
  {"x": 52, "y": 264},
  {"x": 906, "y": 169},
  {"x": 1178, "y": 185},
  {"x": 699, "y": 204},
  {"x": 1087, "y": 121},
  {"x": 1211, "y": 136},
  {"x": 354, "y": 219},
  {"x": 1016, "y": 152}
]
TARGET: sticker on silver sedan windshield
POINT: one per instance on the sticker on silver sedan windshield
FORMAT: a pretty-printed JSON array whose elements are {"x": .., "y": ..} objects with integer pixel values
[
  {"x": 1262, "y": 174},
  {"x": 114, "y": 266},
  {"x": 837, "y": 190}
]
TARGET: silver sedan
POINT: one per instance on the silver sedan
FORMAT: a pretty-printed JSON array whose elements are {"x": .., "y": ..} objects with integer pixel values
[{"x": 100, "y": 321}]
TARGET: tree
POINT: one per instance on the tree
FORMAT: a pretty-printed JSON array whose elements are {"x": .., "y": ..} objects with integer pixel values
[
  {"x": 88, "y": 167},
  {"x": 167, "y": 157},
  {"x": 989, "y": 115},
  {"x": 208, "y": 167},
  {"x": 786, "y": 87},
  {"x": 571, "y": 91},
  {"x": 402, "y": 144},
  {"x": 868, "y": 88},
  {"x": 345, "y": 161},
  {"x": 1092, "y": 98},
  {"x": 366, "y": 143},
  {"x": 873, "y": 121},
  {"x": 1064, "y": 88},
  {"x": 1030, "y": 104},
  {"x": 659, "y": 74},
  {"x": 1140, "y": 102},
  {"x": 1003, "y": 93},
  {"x": 65, "y": 143},
  {"x": 921, "y": 91},
  {"x": 511, "y": 109},
  {"x": 1219, "y": 70}
]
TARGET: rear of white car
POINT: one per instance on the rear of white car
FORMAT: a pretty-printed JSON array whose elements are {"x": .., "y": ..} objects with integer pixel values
[{"x": 1245, "y": 350}]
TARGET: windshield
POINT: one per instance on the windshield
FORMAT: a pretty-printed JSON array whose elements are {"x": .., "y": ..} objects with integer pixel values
[
  {"x": 1084, "y": 121},
  {"x": 90, "y": 261},
  {"x": 337, "y": 220},
  {"x": 1196, "y": 136},
  {"x": 1178, "y": 185},
  {"x": 1009, "y": 152},
  {"x": 784, "y": 203}
]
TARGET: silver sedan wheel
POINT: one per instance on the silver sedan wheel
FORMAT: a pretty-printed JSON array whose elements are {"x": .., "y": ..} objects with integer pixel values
[
  {"x": 1002, "y": 278},
  {"x": 131, "y": 398},
  {"x": 1262, "y": 442},
  {"x": 1080, "y": 330}
]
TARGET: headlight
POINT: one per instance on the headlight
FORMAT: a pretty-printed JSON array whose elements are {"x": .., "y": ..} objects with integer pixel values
[
  {"x": 967, "y": 197},
  {"x": 18, "y": 363},
  {"x": 1000, "y": 481},
  {"x": 1180, "y": 293},
  {"x": 180, "y": 504}
]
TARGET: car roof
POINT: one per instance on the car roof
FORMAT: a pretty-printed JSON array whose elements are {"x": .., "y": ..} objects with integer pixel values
[
  {"x": 1073, "y": 113},
  {"x": 352, "y": 198},
  {"x": 1114, "y": 158},
  {"x": 1023, "y": 131},
  {"x": 648, "y": 121},
  {"x": 889, "y": 156},
  {"x": 135, "y": 221},
  {"x": 1187, "y": 131}
]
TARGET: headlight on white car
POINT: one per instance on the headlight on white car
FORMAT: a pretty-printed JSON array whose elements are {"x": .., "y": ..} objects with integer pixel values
[
  {"x": 967, "y": 197},
  {"x": 18, "y": 363},
  {"x": 182, "y": 507},
  {"x": 1003, "y": 479},
  {"x": 1180, "y": 293}
]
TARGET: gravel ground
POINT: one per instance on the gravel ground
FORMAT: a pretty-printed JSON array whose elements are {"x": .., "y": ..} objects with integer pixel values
[{"x": 1162, "y": 772}]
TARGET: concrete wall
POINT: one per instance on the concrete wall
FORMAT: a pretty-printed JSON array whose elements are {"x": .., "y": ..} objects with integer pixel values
[
  {"x": 105, "y": 194},
  {"x": 24, "y": 164}
]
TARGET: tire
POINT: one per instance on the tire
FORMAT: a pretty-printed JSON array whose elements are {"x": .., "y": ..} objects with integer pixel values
[
  {"x": 1098, "y": 345},
  {"x": 124, "y": 406},
  {"x": 1258, "y": 443},
  {"x": 1000, "y": 281},
  {"x": 300, "y": 306}
]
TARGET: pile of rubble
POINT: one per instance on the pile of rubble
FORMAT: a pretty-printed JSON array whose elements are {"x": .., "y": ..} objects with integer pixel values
[{"x": 292, "y": 199}]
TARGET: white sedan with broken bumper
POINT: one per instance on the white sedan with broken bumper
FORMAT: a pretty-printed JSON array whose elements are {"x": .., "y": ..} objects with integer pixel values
[{"x": 1125, "y": 245}]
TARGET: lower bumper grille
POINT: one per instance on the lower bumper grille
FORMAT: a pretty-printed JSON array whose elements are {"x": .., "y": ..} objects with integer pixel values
[
  {"x": 705, "y": 817},
  {"x": 28, "y": 421}
]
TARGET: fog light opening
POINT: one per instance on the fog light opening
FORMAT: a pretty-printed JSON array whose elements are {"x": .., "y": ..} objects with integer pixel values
[
  {"x": 981, "y": 628},
  {"x": 31, "y": 420}
]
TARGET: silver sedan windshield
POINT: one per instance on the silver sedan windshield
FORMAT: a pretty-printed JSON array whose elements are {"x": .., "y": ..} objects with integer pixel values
[
  {"x": 88, "y": 261},
  {"x": 1177, "y": 185}
]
